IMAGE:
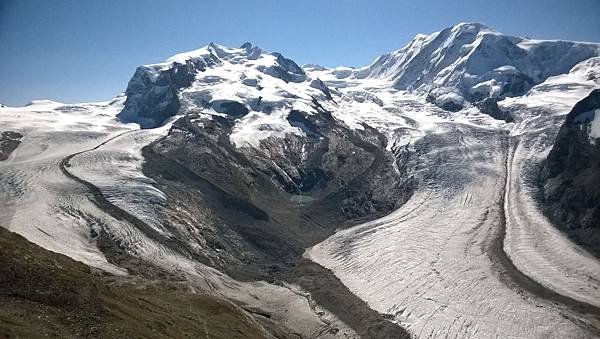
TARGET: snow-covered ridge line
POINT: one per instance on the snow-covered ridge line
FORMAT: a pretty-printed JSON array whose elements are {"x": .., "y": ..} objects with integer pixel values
[
  {"x": 154, "y": 93},
  {"x": 455, "y": 67},
  {"x": 470, "y": 62}
]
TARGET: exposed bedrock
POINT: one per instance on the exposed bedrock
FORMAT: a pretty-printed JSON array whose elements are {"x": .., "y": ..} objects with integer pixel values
[
  {"x": 490, "y": 107},
  {"x": 255, "y": 207},
  {"x": 571, "y": 175},
  {"x": 9, "y": 141},
  {"x": 284, "y": 69},
  {"x": 152, "y": 94},
  {"x": 252, "y": 212}
]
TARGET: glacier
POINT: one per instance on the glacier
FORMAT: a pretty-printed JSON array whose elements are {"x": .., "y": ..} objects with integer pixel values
[{"x": 469, "y": 254}]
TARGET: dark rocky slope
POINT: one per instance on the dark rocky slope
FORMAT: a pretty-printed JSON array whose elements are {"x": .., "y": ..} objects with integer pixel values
[
  {"x": 571, "y": 176},
  {"x": 326, "y": 289},
  {"x": 45, "y": 294},
  {"x": 251, "y": 212},
  {"x": 9, "y": 141},
  {"x": 258, "y": 209},
  {"x": 152, "y": 96}
]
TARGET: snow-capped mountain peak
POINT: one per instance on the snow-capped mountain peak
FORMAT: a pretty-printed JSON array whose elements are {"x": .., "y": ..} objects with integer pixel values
[
  {"x": 470, "y": 62},
  {"x": 153, "y": 92},
  {"x": 459, "y": 65},
  {"x": 234, "y": 55},
  {"x": 393, "y": 65}
]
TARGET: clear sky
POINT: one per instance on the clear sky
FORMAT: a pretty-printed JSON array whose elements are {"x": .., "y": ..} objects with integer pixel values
[{"x": 86, "y": 50}]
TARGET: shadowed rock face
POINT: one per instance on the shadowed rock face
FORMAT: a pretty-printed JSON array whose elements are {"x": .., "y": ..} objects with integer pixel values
[
  {"x": 9, "y": 141},
  {"x": 285, "y": 69},
  {"x": 152, "y": 98},
  {"x": 571, "y": 176},
  {"x": 490, "y": 107},
  {"x": 231, "y": 108}
]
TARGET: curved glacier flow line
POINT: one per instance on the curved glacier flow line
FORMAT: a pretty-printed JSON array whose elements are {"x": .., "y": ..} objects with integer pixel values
[
  {"x": 516, "y": 276},
  {"x": 104, "y": 204},
  {"x": 357, "y": 256},
  {"x": 227, "y": 285},
  {"x": 510, "y": 271}
]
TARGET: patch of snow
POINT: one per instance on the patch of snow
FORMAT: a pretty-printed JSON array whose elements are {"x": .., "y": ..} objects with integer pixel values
[
  {"x": 257, "y": 126},
  {"x": 595, "y": 125}
]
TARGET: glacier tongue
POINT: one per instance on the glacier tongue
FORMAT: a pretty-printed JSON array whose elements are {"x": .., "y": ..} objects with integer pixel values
[{"x": 437, "y": 265}]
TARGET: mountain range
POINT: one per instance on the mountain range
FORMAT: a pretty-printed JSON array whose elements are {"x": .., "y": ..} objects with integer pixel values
[{"x": 449, "y": 188}]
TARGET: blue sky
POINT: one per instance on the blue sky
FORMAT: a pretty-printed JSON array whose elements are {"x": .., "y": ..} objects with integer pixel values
[{"x": 84, "y": 50}]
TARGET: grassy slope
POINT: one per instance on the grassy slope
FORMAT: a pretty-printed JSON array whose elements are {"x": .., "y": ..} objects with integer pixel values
[{"x": 47, "y": 294}]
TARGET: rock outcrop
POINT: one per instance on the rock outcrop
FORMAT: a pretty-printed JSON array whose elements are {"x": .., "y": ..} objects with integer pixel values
[
  {"x": 9, "y": 141},
  {"x": 571, "y": 174},
  {"x": 490, "y": 107},
  {"x": 278, "y": 198},
  {"x": 152, "y": 95}
]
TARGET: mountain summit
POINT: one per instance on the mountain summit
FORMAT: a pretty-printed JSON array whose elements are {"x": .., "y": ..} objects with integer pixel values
[
  {"x": 469, "y": 62},
  {"x": 463, "y": 64}
]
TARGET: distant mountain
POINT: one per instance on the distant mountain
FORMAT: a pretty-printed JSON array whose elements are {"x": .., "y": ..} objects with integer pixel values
[
  {"x": 152, "y": 93},
  {"x": 463, "y": 64},
  {"x": 470, "y": 62}
]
